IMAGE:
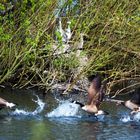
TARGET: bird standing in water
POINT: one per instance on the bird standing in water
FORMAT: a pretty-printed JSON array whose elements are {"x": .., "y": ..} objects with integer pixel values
[{"x": 6, "y": 104}]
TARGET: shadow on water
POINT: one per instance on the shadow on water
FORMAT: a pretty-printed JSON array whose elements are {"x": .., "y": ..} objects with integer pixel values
[{"x": 38, "y": 118}]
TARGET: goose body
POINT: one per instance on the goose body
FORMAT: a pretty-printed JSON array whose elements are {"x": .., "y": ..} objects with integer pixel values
[
  {"x": 95, "y": 97},
  {"x": 94, "y": 93},
  {"x": 90, "y": 108},
  {"x": 5, "y": 104},
  {"x": 133, "y": 104}
]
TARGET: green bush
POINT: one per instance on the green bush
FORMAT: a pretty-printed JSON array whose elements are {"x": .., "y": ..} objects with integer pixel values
[{"x": 27, "y": 34}]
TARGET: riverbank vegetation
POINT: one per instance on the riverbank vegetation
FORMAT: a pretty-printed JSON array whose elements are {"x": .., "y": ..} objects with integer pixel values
[{"x": 111, "y": 43}]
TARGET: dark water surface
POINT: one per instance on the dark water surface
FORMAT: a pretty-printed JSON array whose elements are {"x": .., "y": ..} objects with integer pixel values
[{"x": 61, "y": 122}]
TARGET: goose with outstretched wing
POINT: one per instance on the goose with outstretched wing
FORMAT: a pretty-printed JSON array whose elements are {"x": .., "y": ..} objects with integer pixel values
[{"x": 95, "y": 96}]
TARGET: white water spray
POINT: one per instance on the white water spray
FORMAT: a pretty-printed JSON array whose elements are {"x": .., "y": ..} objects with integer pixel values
[
  {"x": 129, "y": 118},
  {"x": 137, "y": 117},
  {"x": 125, "y": 119},
  {"x": 38, "y": 110},
  {"x": 40, "y": 106},
  {"x": 65, "y": 109}
]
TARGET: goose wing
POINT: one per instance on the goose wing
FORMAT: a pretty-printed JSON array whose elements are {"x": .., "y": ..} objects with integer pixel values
[{"x": 94, "y": 90}]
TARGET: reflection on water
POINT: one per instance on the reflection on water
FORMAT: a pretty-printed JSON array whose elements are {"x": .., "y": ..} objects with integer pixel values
[
  {"x": 38, "y": 130},
  {"x": 33, "y": 120}
]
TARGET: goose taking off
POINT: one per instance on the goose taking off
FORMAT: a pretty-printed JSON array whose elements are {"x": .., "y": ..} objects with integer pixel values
[
  {"x": 95, "y": 97},
  {"x": 6, "y": 104}
]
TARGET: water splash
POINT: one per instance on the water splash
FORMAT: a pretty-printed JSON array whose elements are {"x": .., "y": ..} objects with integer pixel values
[
  {"x": 125, "y": 119},
  {"x": 136, "y": 117},
  {"x": 129, "y": 118},
  {"x": 38, "y": 110},
  {"x": 65, "y": 109},
  {"x": 100, "y": 117},
  {"x": 40, "y": 107},
  {"x": 70, "y": 111}
]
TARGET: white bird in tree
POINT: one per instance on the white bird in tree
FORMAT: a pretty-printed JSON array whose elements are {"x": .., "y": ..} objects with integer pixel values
[
  {"x": 68, "y": 33},
  {"x": 65, "y": 35},
  {"x": 60, "y": 30}
]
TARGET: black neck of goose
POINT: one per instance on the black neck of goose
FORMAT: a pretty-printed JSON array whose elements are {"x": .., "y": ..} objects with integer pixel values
[{"x": 78, "y": 103}]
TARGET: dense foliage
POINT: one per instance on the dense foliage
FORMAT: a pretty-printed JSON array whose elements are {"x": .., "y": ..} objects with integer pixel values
[{"x": 28, "y": 32}]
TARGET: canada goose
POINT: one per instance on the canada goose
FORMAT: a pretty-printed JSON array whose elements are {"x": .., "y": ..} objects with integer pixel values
[
  {"x": 95, "y": 96},
  {"x": 133, "y": 104},
  {"x": 85, "y": 108},
  {"x": 6, "y": 104},
  {"x": 129, "y": 104}
]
